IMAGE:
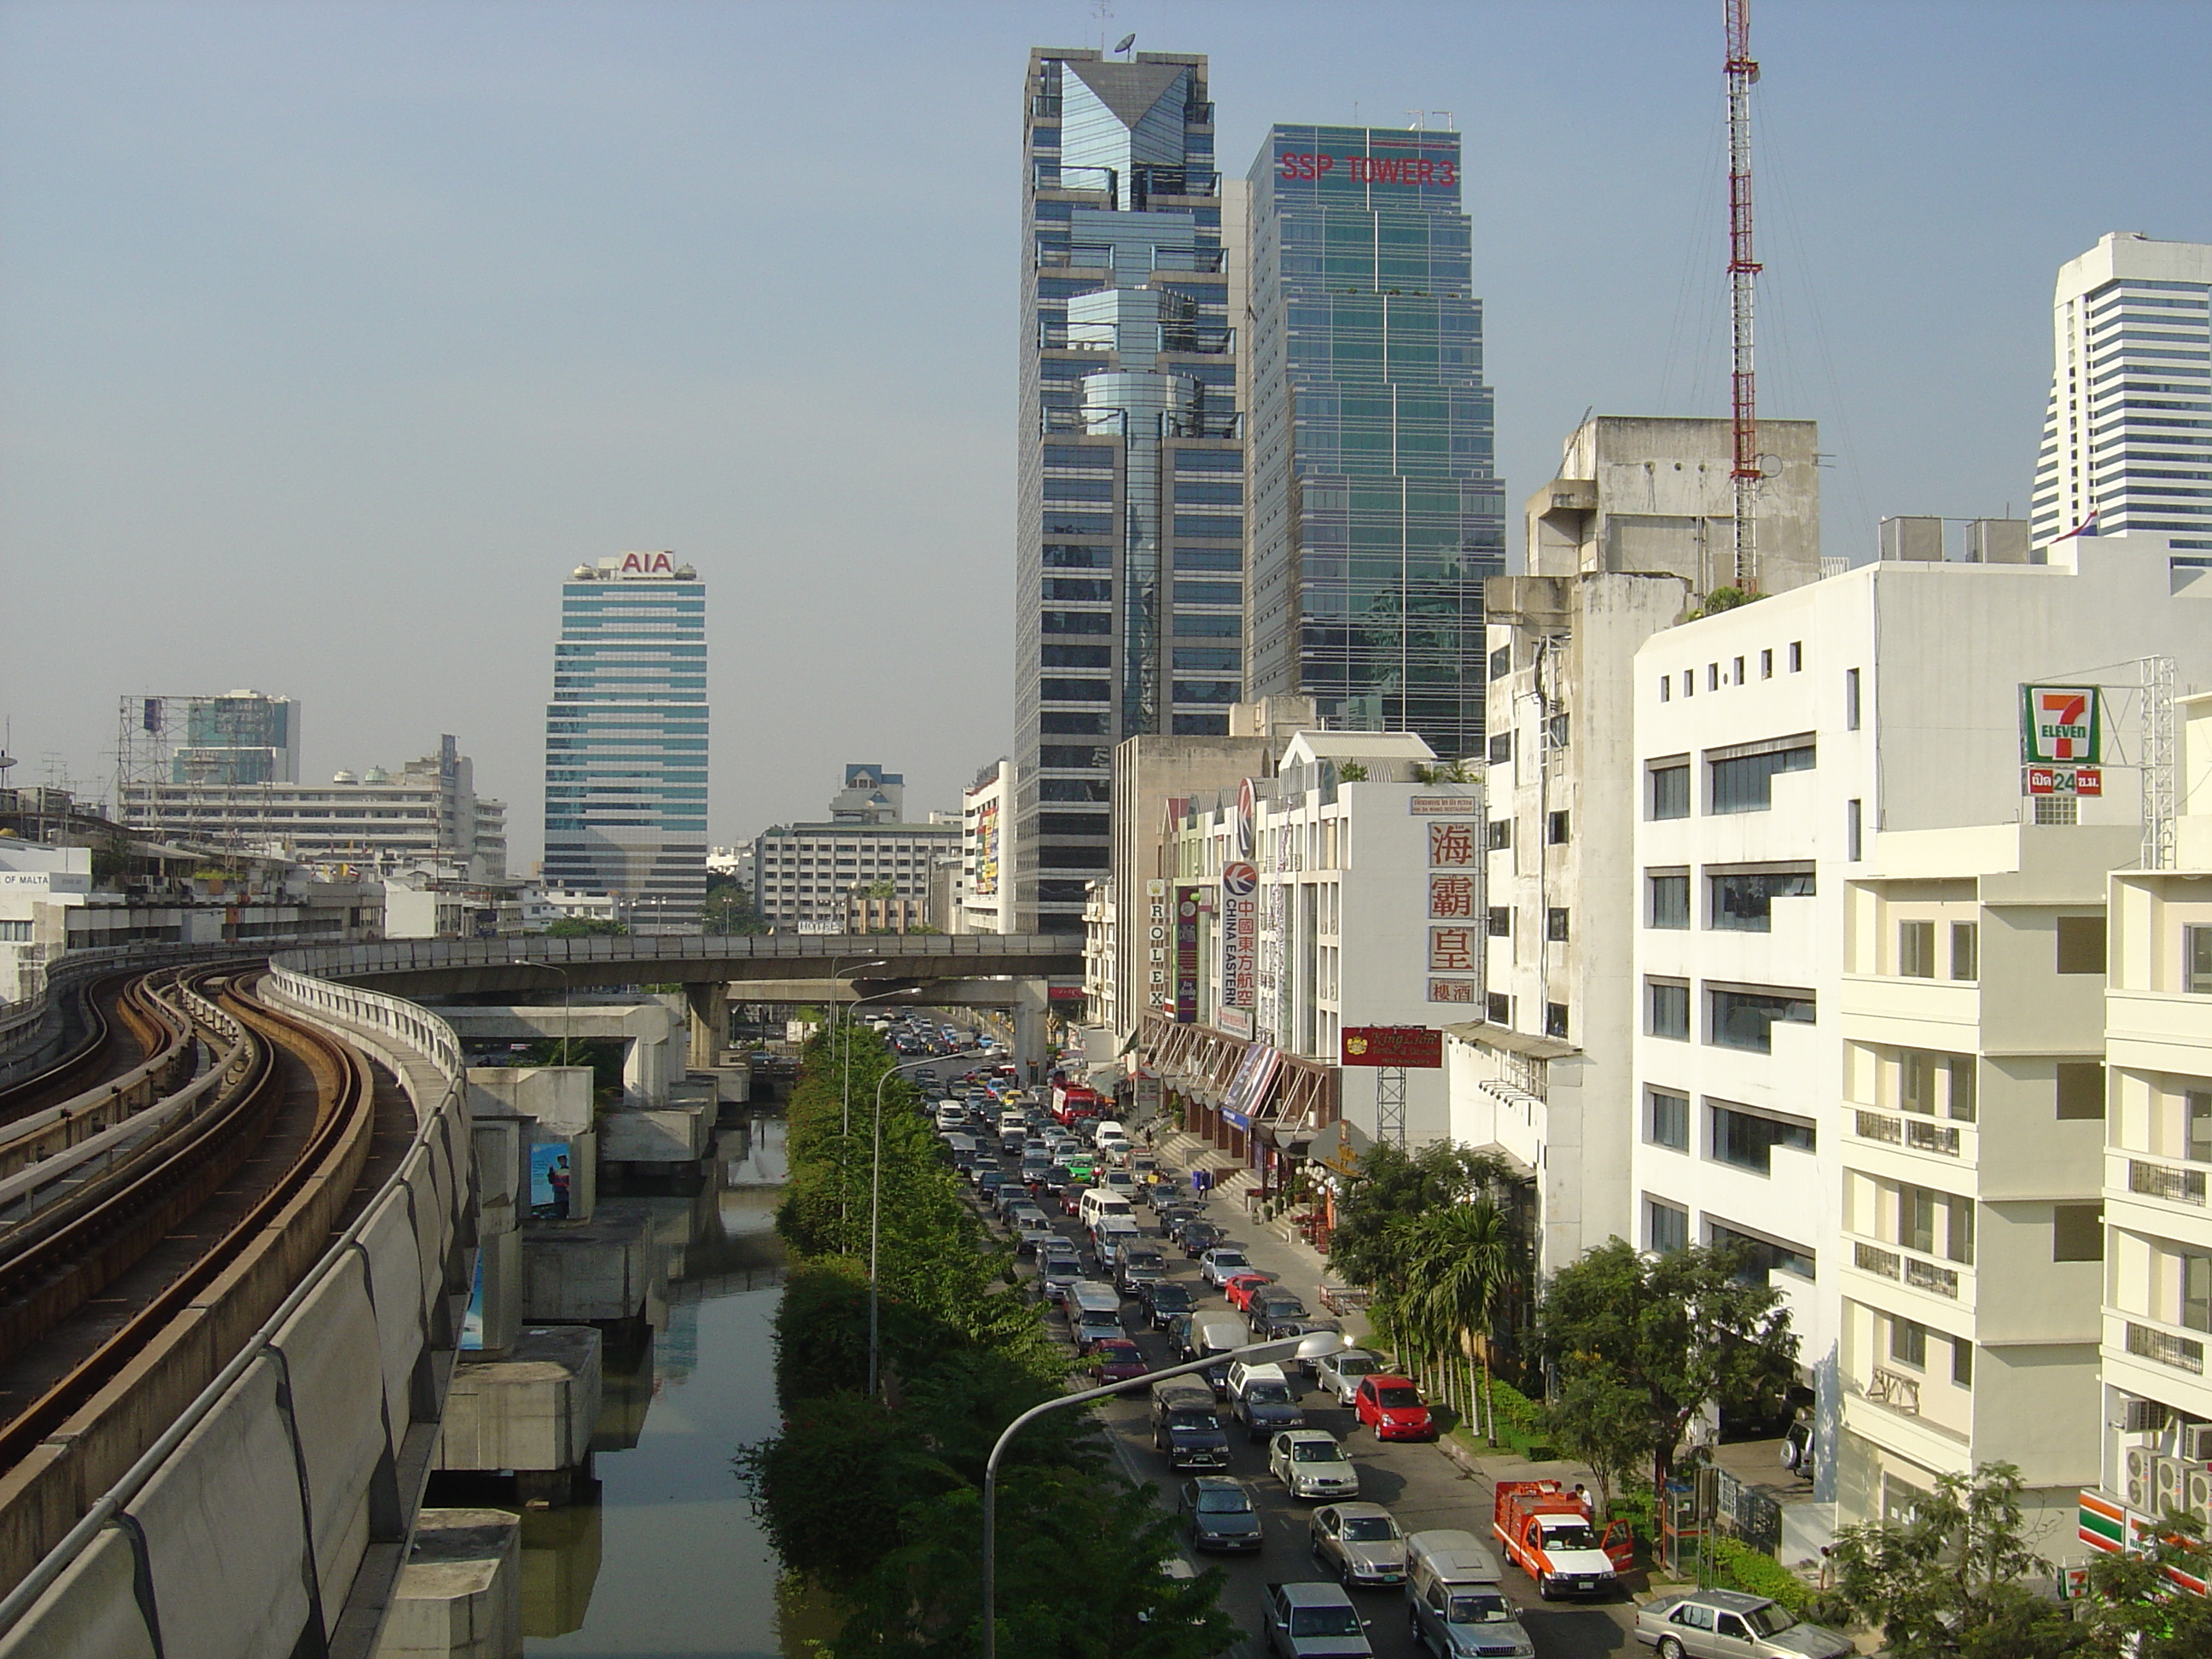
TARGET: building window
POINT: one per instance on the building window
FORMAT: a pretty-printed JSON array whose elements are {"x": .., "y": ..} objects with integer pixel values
[
  {"x": 1501, "y": 922},
  {"x": 1850, "y": 699},
  {"x": 1961, "y": 1073},
  {"x": 2195, "y": 1278},
  {"x": 2077, "y": 1232},
  {"x": 1667, "y": 1119},
  {"x": 1666, "y": 1226},
  {"x": 1498, "y": 1008},
  {"x": 1908, "y": 1343},
  {"x": 1501, "y": 834},
  {"x": 1555, "y": 1020},
  {"x": 1916, "y": 950},
  {"x": 1760, "y": 1256},
  {"x": 1501, "y": 662},
  {"x": 1796, "y": 655},
  {"x": 2196, "y": 1126},
  {"x": 1555, "y": 828},
  {"x": 1853, "y": 846},
  {"x": 1738, "y": 679},
  {"x": 2080, "y": 1090},
  {"x": 1668, "y": 1008},
  {"x": 1965, "y": 950},
  {"x": 1743, "y": 901},
  {"x": 1766, "y": 664},
  {"x": 2080, "y": 945},
  {"x": 1666, "y": 688},
  {"x": 1501, "y": 748},
  {"x": 2196, "y": 960},
  {"x": 1748, "y": 1139},
  {"x": 1712, "y": 677},
  {"x": 2051, "y": 810},
  {"x": 1962, "y": 1363},
  {"x": 1669, "y": 899},
  {"x": 1670, "y": 791},
  {"x": 1689, "y": 682},
  {"x": 1555, "y": 925},
  {"x": 1745, "y": 783},
  {"x": 1746, "y": 1019}
]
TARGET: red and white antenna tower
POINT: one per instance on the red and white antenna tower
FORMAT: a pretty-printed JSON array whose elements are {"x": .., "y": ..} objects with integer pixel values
[{"x": 1743, "y": 272}]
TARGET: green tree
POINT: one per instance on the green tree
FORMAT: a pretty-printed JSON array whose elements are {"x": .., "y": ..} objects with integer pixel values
[
  {"x": 730, "y": 907},
  {"x": 585, "y": 927},
  {"x": 2134, "y": 1607},
  {"x": 1686, "y": 1330},
  {"x": 1459, "y": 1260},
  {"x": 1946, "y": 1583},
  {"x": 1368, "y": 1245},
  {"x": 1604, "y": 1424}
]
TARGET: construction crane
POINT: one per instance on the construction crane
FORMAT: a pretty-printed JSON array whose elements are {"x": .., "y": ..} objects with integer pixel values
[{"x": 1743, "y": 272}]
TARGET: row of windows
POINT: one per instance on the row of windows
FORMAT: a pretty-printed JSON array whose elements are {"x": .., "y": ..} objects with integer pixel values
[
  {"x": 1737, "y": 901},
  {"x": 1735, "y": 1017},
  {"x": 1736, "y": 783},
  {"x": 1743, "y": 1136},
  {"x": 1714, "y": 677}
]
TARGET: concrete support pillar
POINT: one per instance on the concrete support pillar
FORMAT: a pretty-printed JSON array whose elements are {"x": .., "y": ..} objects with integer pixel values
[
  {"x": 1032, "y": 1015},
  {"x": 644, "y": 1072},
  {"x": 460, "y": 1596},
  {"x": 709, "y": 1006}
]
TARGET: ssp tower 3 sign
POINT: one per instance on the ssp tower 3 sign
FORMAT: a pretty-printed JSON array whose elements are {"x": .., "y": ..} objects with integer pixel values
[{"x": 2062, "y": 737}]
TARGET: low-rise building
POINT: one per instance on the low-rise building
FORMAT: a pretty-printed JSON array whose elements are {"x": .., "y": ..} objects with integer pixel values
[{"x": 985, "y": 897}]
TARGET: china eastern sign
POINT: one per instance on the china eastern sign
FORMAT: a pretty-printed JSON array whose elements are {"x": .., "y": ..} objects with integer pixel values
[
  {"x": 1441, "y": 170},
  {"x": 2059, "y": 726},
  {"x": 1416, "y": 1046}
]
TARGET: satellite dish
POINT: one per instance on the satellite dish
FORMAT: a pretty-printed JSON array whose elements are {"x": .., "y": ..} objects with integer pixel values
[{"x": 1125, "y": 43}]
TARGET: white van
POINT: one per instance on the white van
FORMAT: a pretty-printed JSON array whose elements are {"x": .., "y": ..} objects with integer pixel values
[
  {"x": 1456, "y": 1597},
  {"x": 1099, "y": 1202}
]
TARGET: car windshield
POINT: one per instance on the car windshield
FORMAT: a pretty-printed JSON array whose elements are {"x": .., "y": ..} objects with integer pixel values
[
  {"x": 1483, "y": 1607},
  {"x": 1369, "y": 1528},
  {"x": 1118, "y": 1351},
  {"x": 1267, "y": 1394},
  {"x": 1222, "y": 1500},
  {"x": 1229, "y": 1259},
  {"x": 1569, "y": 1537},
  {"x": 1771, "y": 1619},
  {"x": 1324, "y": 1621},
  {"x": 1316, "y": 1451},
  {"x": 1171, "y": 1295},
  {"x": 1195, "y": 1423},
  {"x": 1357, "y": 1365},
  {"x": 1396, "y": 1399}
]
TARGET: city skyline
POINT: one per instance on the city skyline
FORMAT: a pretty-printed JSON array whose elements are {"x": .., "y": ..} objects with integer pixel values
[{"x": 329, "y": 356}]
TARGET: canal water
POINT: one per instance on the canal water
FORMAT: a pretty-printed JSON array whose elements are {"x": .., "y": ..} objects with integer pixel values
[{"x": 666, "y": 1560}]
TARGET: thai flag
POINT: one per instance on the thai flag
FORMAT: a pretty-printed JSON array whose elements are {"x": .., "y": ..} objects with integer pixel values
[{"x": 2087, "y": 527}]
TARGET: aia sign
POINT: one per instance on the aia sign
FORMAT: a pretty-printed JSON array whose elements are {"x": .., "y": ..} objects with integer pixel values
[
  {"x": 1415, "y": 1045},
  {"x": 647, "y": 564}
]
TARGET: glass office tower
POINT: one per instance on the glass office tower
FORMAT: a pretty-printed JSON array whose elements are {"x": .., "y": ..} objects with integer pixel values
[
  {"x": 626, "y": 740},
  {"x": 1129, "y": 607},
  {"x": 1375, "y": 513}
]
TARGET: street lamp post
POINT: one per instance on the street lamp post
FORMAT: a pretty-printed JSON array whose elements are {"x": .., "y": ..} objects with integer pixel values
[
  {"x": 875, "y": 1215},
  {"x": 1315, "y": 1346}
]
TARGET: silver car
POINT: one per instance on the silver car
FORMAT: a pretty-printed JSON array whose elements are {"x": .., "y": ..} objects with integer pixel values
[
  {"x": 1340, "y": 1373},
  {"x": 1360, "y": 1543},
  {"x": 1731, "y": 1624}
]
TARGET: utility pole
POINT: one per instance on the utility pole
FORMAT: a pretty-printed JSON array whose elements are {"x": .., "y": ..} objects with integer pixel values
[{"x": 1743, "y": 272}]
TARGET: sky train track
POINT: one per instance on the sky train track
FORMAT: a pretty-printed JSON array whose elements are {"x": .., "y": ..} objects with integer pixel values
[{"x": 255, "y": 1140}]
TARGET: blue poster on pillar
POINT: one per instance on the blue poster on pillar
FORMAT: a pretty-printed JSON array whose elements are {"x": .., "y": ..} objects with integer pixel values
[{"x": 549, "y": 1176}]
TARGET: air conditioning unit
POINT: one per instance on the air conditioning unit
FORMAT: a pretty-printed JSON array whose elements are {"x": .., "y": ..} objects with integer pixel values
[
  {"x": 2169, "y": 1483},
  {"x": 2141, "y": 1462},
  {"x": 2197, "y": 1494},
  {"x": 2196, "y": 1443},
  {"x": 2144, "y": 1417}
]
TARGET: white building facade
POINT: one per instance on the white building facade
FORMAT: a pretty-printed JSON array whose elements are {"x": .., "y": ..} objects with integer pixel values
[{"x": 984, "y": 902}]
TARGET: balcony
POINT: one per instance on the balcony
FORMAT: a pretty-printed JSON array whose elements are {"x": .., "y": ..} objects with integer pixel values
[
  {"x": 2168, "y": 1182},
  {"x": 1953, "y": 1282},
  {"x": 1895, "y": 1390},
  {"x": 2163, "y": 1347},
  {"x": 1910, "y": 1132}
]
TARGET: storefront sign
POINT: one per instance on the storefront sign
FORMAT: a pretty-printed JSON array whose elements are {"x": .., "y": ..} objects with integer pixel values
[
  {"x": 1433, "y": 806},
  {"x": 1240, "y": 943},
  {"x": 1186, "y": 954},
  {"x": 1158, "y": 931},
  {"x": 2059, "y": 723},
  {"x": 2063, "y": 781},
  {"x": 1393, "y": 1045},
  {"x": 1461, "y": 991}
]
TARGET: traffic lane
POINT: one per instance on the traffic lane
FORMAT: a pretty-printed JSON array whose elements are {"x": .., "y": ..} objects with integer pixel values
[{"x": 1420, "y": 1486}]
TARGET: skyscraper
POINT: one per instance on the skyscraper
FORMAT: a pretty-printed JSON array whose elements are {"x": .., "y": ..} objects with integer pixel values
[
  {"x": 1128, "y": 608},
  {"x": 626, "y": 740},
  {"x": 2125, "y": 445},
  {"x": 1376, "y": 514}
]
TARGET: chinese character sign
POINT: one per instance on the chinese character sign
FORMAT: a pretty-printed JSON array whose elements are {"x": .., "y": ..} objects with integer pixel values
[
  {"x": 1451, "y": 846},
  {"x": 1451, "y": 897},
  {"x": 1452, "y": 990},
  {"x": 1451, "y": 950},
  {"x": 1240, "y": 942}
]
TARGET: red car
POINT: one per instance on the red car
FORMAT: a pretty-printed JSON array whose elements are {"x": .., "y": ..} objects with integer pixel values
[
  {"x": 1393, "y": 1407},
  {"x": 1116, "y": 1359},
  {"x": 1239, "y": 1288},
  {"x": 1070, "y": 1198}
]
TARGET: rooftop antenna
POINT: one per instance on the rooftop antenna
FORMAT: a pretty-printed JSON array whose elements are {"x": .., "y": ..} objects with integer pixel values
[
  {"x": 1418, "y": 119},
  {"x": 1742, "y": 70}
]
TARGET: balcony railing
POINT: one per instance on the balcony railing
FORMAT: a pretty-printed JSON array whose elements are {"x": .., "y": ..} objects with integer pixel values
[
  {"x": 1925, "y": 1137},
  {"x": 1927, "y": 1276},
  {"x": 1872, "y": 1258},
  {"x": 1919, "y": 1134},
  {"x": 1895, "y": 1390},
  {"x": 2163, "y": 1180},
  {"x": 2183, "y": 1353},
  {"x": 1878, "y": 1126}
]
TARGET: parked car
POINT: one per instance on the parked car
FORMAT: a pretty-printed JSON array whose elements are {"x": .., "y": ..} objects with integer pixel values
[
  {"x": 1116, "y": 1359},
  {"x": 1340, "y": 1372},
  {"x": 1314, "y": 1621},
  {"x": 1455, "y": 1601},
  {"x": 1198, "y": 1236},
  {"x": 1360, "y": 1543},
  {"x": 1218, "y": 1514},
  {"x": 1731, "y": 1625},
  {"x": 1092, "y": 1328},
  {"x": 1057, "y": 1269},
  {"x": 1311, "y": 1464},
  {"x": 1071, "y": 1196},
  {"x": 1279, "y": 1330},
  {"x": 1164, "y": 1299},
  {"x": 1240, "y": 1288},
  {"x": 1393, "y": 1407},
  {"x": 1219, "y": 1265},
  {"x": 1137, "y": 1265},
  {"x": 1268, "y": 1303},
  {"x": 1260, "y": 1398}
]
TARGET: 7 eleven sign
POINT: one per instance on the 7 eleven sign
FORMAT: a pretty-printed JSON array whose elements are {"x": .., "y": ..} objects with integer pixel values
[{"x": 2060, "y": 723}]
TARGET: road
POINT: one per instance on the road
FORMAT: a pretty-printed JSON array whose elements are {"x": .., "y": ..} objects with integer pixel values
[{"x": 1421, "y": 1486}]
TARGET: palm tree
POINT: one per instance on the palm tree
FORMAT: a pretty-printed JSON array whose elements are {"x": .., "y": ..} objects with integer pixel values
[{"x": 1462, "y": 1259}]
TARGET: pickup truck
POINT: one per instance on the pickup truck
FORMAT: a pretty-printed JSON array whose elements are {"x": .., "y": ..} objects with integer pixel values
[{"x": 1548, "y": 1533}]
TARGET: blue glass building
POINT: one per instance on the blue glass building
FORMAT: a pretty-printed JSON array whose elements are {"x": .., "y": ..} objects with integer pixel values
[
  {"x": 1129, "y": 613},
  {"x": 1375, "y": 513},
  {"x": 626, "y": 740}
]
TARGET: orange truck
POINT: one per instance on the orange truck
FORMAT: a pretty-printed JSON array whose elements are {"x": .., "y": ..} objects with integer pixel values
[{"x": 1550, "y": 1533}]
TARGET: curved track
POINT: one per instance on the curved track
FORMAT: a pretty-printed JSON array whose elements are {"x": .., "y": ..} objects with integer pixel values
[
  {"x": 263, "y": 1161},
  {"x": 126, "y": 1026}
]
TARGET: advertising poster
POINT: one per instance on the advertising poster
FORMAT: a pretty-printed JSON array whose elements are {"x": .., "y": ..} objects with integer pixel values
[
  {"x": 1186, "y": 954},
  {"x": 1240, "y": 945},
  {"x": 549, "y": 1176}
]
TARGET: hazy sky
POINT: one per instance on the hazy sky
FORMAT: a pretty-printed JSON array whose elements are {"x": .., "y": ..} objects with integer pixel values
[{"x": 332, "y": 336}]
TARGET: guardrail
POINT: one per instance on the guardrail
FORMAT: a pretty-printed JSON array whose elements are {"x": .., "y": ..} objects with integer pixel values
[
  {"x": 271, "y": 1516},
  {"x": 404, "y": 956}
]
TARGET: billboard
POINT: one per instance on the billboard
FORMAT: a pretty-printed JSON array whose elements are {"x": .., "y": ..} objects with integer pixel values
[
  {"x": 1186, "y": 954},
  {"x": 2059, "y": 726},
  {"x": 1240, "y": 945},
  {"x": 1393, "y": 1045},
  {"x": 986, "y": 882}
]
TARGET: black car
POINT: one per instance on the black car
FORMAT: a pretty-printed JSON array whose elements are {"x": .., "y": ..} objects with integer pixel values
[
  {"x": 1181, "y": 1328},
  {"x": 1133, "y": 1269},
  {"x": 1268, "y": 1304},
  {"x": 1201, "y": 1237},
  {"x": 1165, "y": 1298},
  {"x": 1219, "y": 1514}
]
